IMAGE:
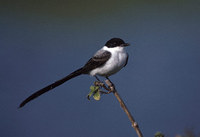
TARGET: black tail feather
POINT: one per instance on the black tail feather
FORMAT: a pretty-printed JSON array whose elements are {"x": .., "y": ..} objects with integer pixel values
[{"x": 52, "y": 86}]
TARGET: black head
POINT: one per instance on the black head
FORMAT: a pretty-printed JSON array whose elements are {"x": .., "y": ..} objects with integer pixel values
[{"x": 116, "y": 42}]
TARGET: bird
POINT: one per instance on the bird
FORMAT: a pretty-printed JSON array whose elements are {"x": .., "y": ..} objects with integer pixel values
[{"x": 110, "y": 59}]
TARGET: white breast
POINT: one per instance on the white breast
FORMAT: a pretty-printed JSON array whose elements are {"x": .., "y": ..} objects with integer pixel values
[{"x": 114, "y": 64}]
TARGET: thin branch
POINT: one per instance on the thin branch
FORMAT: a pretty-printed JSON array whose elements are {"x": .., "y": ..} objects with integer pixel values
[
  {"x": 101, "y": 84},
  {"x": 111, "y": 88}
]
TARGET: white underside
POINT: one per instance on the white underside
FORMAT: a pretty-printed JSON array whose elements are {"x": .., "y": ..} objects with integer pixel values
[{"x": 114, "y": 64}]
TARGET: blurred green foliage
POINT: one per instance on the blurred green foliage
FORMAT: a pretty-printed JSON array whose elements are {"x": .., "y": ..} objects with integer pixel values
[
  {"x": 188, "y": 132},
  {"x": 159, "y": 134}
]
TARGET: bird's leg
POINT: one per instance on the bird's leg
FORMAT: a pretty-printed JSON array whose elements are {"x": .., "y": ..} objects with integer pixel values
[
  {"x": 110, "y": 82},
  {"x": 97, "y": 78},
  {"x": 102, "y": 85},
  {"x": 107, "y": 78},
  {"x": 105, "y": 87},
  {"x": 98, "y": 82}
]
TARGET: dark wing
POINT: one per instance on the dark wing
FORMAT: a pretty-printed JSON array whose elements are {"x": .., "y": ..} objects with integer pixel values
[
  {"x": 97, "y": 60},
  {"x": 126, "y": 60}
]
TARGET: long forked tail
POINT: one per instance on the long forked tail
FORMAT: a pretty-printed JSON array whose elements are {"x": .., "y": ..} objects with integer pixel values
[{"x": 52, "y": 86}]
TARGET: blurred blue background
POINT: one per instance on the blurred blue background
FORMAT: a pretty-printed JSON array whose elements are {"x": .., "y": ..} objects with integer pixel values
[{"x": 43, "y": 41}]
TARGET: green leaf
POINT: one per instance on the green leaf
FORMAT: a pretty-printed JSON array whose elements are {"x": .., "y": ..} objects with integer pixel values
[
  {"x": 89, "y": 95},
  {"x": 159, "y": 134},
  {"x": 93, "y": 90},
  {"x": 97, "y": 95}
]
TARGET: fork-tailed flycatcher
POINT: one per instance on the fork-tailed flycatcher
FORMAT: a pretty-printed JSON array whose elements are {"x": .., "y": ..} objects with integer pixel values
[{"x": 105, "y": 62}]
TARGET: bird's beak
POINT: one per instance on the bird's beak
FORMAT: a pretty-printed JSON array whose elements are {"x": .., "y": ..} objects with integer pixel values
[{"x": 126, "y": 44}]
